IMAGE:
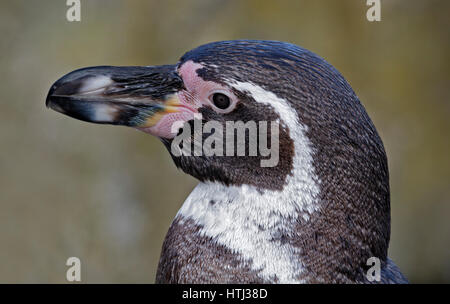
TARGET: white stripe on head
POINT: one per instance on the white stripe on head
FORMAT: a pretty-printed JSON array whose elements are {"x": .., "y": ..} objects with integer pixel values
[{"x": 245, "y": 220}]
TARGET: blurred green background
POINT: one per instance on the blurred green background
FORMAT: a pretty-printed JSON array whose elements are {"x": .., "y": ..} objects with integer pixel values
[{"x": 108, "y": 194}]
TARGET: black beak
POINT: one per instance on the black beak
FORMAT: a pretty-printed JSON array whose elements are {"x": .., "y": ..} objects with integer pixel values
[{"x": 128, "y": 96}]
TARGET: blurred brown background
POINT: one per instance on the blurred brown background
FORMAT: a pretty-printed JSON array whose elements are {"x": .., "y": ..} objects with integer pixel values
[{"x": 108, "y": 194}]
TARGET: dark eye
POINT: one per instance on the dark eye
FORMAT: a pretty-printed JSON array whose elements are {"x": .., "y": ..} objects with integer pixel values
[{"x": 221, "y": 101}]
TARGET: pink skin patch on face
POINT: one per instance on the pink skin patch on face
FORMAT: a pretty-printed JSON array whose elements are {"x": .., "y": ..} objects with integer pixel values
[{"x": 195, "y": 96}]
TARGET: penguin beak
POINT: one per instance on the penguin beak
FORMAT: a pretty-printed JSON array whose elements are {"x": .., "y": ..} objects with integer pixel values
[{"x": 131, "y": 96}]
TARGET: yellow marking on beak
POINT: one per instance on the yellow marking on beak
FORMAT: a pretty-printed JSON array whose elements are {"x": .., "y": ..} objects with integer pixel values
[
  {"x": 152, "y": 120},
  {"x": 171, "y": 105},
  {"x": 172, "y": 101}
]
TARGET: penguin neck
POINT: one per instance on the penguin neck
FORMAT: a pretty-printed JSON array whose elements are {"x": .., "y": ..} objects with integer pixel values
[
  {"x": 282, "y": 234},
  {"x": 258, "y": 226},
  {"x": 261, "y": 225}
]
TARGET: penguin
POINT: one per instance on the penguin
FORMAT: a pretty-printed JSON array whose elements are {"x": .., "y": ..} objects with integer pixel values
[{"x": 319, "y": 214}]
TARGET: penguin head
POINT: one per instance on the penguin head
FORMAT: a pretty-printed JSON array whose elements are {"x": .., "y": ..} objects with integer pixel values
[{"x": 258, "y": 83}]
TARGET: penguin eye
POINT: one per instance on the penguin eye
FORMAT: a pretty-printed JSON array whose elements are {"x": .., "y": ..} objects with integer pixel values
[{"x": 221, "y": 101}]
